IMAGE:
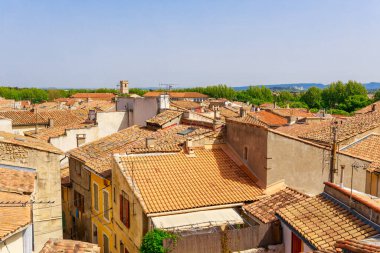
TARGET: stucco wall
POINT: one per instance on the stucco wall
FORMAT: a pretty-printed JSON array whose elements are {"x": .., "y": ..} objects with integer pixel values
[
  {"x": 47, "y": 218},
  {"x": 69, "y": 140},
  {"x": 305, "y": 166},
  {"x": 240, "y": 136},
  {"x": 140, "y": 109},
  {"x": 15, "y": 243},
  {"x": 6, "y": 125},
  {"x": 131, "y": 237},
  {"x": 110, "y": 122}
]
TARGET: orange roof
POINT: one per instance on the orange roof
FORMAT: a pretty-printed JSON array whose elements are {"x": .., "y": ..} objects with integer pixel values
[
  {"x": 13, "y": 180},
  {"x": 186, "y": 104},
  {"x": 69, "y": 246},
  {"x": 27, "y": 142},
  {"x": 355, "y": 246},
  {"x": 296, "y": 112},
  {"x": 164, "y": 117},
  {"x": 369, "y": 108},
  {"x": 65, "y": 175},
  {"x": 265, "y": 208},
  {"x": 367, "y": 148},
  {"x": 176, "y": 94},
  {"x": 322, "y": 222},
  {"x": 299, "y": 129},
  {"x": 94, "y": 95},
  {"x": 51, "y": 132},
  {"x": 13, "y": 217},
  {"x": 172, "y": 182},
  {"x": 261, "y": 118}
]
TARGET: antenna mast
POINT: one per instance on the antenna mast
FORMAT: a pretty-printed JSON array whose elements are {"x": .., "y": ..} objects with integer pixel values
[{"x": 334, "y": 130}]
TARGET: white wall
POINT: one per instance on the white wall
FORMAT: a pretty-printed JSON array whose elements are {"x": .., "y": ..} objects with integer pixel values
[
  {"x": 286, "y": 238},
  {"x": 15, "y": 243},
  {"x": 110, "y": 122},
  {"x": 6, "y": 125}
]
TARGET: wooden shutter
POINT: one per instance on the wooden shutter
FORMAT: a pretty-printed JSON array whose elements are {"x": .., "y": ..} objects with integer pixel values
[
  {"x": 128, "y": 220},
  {"x": 121, "y": 208}
]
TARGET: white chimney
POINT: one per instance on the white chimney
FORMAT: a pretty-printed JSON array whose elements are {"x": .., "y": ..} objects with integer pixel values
[
  {"x": 164, "y": 102},
  {"x": 189, "y": 149},
  {"x": 150, "y": 142}
]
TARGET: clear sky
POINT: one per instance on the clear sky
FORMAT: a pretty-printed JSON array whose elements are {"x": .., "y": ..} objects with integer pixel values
[{"x": 95, "y": 43}]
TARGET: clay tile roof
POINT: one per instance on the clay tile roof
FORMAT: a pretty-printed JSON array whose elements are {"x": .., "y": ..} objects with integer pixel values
[
  {"x": 12, "y": 180},
  {"x": 369, "y": 108},
  {"x": 228, "y": 112},
  {"x": 300, "y": 129},
  {"x": 13, "y": 217},
  {"x": 51, "y": 132},
  {"x": 348, "y": 128},
  {"x": 28, "y": 142},
  {"x": 177, "y": 182},
  {"x": 296, "y": 112},
  {"x": 65, "y": 175},
  {"x": 186, "y": 104},
  {"x": 322, "y": 222},
  {"x": 94, "y": 95},
  {"x": 356, "y": 246},
  {"x": 261, "y": 118},
  {"x": 367, "y": 148},
  {"x": 176, "y": 94},
  {"x": 69, "y": 246},
  {"x": 265, "y": 208},
  {"x": 97, "y": 155},
  {"x": 164, "y": 117},
  {"x": 25, "y": 118}
]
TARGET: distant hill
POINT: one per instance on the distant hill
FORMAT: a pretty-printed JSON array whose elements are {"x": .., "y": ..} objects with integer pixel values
[
  {"x": 287, "y": 86},
  {"x": 372, "y": 86}
]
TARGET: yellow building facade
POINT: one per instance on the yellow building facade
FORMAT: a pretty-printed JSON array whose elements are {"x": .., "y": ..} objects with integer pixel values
[{"x": 101, "y": 214}]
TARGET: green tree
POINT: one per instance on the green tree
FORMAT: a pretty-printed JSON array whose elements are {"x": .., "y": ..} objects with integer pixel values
[
  {"x": 153, "y": 241},
  {"x": 312, "y": 97},
  {"x": 377, "y": 95},
  {"x": 353, "y": 103}
]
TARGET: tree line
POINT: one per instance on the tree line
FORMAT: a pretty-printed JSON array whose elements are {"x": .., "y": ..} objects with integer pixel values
[{"x": 338, "y": 97}]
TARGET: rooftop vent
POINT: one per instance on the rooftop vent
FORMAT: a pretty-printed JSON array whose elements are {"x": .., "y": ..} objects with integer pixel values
[
  {"x": 187, "y": 131},
  {"x": 19, "y": 139}
]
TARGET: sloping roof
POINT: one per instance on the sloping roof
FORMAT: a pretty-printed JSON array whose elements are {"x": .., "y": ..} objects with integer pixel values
[
  {"x": 261, "y": 118},
  {"x": 94, "y": 95},
  {"x": 367, "y": 148},
  {"x": 13, "y": 217},
  {"x": 28, "y": 142},
  {"x": 322, "y": 222},
  {"x": 265, "y": 208},
  {"x": 346, "y": 128},
  {"x": 65, "y": 175},
  {"x": 176, "y": 94},
  {"x": 186, "y": 104},
  {"x": 300, "y": 129},
  {"x": 228, "y": 112},
  {"x": 296, "y": 112},
  {"x": 51, "y": 132},
  {"x": 12, "y": 180},
  {"x": 25, "y": 118},
  {"x": 164, "y": 117},
  {"x": 69, "y": 246},
  {"x": 355, "y": 246},
  {"x": 176, "y": 182},
  {"x": 97, "y": 155},
  {"x": 369, "y": 108}
]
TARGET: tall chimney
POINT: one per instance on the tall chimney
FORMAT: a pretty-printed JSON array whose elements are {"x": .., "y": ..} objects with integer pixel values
[
  {"x": 243, "y": 112},
  {"x": 189, "y": 147},
  {"x": 150, "y": 142},
  {"x": 51, "y": 122},
  {"x": 374, "y": 107}
]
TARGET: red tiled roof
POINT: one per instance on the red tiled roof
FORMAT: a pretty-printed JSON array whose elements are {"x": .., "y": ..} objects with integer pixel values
[
  {"x": 13, "y": 180},
  {"x": 265, "y": 208},
  {"x": 355, "y": 246},
  {"x": 164, "y": 117},
  {"x": 94, "y": 95},
  {"x": 261, "y": 118},
  {"x": 177, "y": 182},
  {"x": 296, "y": 112},
  {"x": 69, "y": 246}
]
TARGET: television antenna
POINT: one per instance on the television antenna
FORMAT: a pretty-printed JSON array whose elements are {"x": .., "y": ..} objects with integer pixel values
[{"x": 166, "y": 86}]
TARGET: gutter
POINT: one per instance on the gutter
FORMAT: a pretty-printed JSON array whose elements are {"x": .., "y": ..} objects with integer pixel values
[{"x": 194, "y": 210}]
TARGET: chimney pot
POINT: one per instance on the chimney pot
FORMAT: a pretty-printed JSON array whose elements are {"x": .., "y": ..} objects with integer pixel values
[
  {"x": 51, "y": 122},
  {"x": 243, "y": 112},
  {"x": 189, "y": 147},
  {"x": 374, "y": 107}
]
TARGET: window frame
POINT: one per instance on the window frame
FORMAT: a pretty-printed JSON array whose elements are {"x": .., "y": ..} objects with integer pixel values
[
  {"x": 96, "y": 200},
  {"x": 125, "y": 210},
  {"x": 97, "y": 234},
  {"x": 108, "y": 243},
  {"x": 106, "y": 210}
]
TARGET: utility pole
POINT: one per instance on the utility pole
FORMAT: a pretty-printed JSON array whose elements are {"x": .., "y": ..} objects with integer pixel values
[{"x": 334, "y": 146}]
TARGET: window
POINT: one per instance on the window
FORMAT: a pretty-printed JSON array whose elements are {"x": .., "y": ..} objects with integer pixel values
[
  {"x": 121, "y": 247},
  {"x": 114, "y": 194},
  {"x": 79, "y": 201},
  {"x": 124, "y": 209},
  {"x": 78, "y": 168},
  {"x": 94, "y": 234},
  {"x": 96, "y": 197},
  {"x": 81, "y": 139},
  {"x": 106, "y": 244},
  {"x": 296, "y": 244},
  {"x": 245, "y": 155},
  {"x": 114, "y": 241},
  {"x": 106, "y": 211}
]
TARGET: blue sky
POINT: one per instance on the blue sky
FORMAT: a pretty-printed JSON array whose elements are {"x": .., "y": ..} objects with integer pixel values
[{"x": 90, "y": 43}]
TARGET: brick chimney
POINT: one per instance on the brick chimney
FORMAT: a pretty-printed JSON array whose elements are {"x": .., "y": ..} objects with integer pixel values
[
  {"x": 243, "y": 112},
  {"x": 374, "y": 107},
  {"x": 51, "y": 122}
]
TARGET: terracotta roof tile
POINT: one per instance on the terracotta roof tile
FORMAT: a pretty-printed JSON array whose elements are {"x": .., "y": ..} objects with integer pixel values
[
  {"x": 12, "y": 180},
  {"x": 228, "y": 112},
  {"x": 164, "y": 117},
  {"x": 261, "y": 118},
  {"x": 177, "y": 182},
  {"x": 65, "y": 175},
  {"x": 367, "y": 148},
  {"x": 13, "y": 218},
  {"x": 300, "y": 129},
  {"x": 47, "y": 133},
  {"x": 356, "y": 246},
  {"x": 369, "y": 108},
  {"x": 346, "y": 128},
  {"x": 322, "y": 222},
  {"x": 176, "y": 94},
  {"x": 94, "y": 95},
  {"x": 265, "y": 208},
  {"x": 186, "y": 104},
  {"x": 27, "y": 142},
  {"x": 69, "y": 246},
  {"x": 97, "y": 155},
  {"x": 296, "y": 112}
]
